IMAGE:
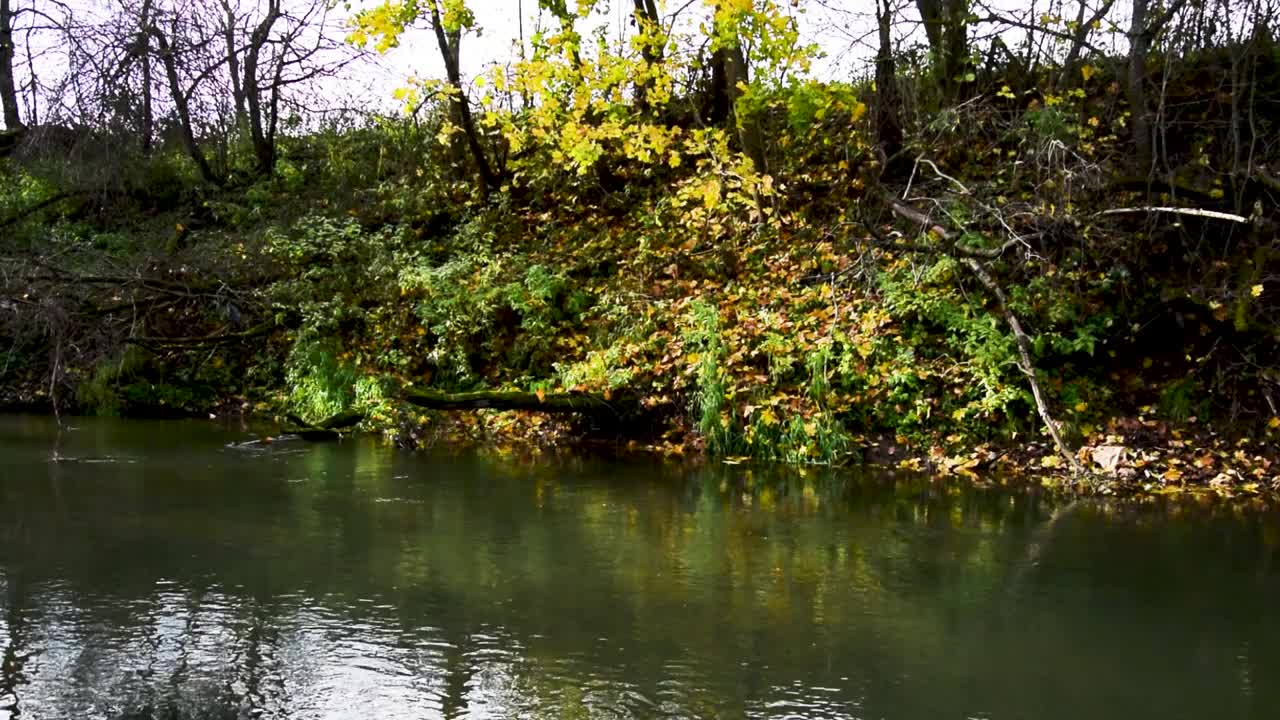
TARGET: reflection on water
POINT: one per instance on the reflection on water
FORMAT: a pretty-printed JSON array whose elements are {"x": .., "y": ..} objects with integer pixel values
[{"x": 161, "y": 570}]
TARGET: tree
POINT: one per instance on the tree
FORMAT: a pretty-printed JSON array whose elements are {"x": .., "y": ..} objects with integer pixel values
[
  {"x": 652, "y": 40},
  {"x": 946, "y": 25},
  {"x": 262, "y": 122},
  {"x": 178, "y": 93},
  {"x": 8, "y": 91},
  {"x": 730, "y": 73},
  {"x": 888, "y": 100},
  {"x": 448, "y": 23},
  {"x": 448, "y": 27},
  {"x": 1144, "y": 27}
]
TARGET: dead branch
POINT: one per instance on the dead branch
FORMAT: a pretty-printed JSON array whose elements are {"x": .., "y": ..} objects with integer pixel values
[
  {"x": 971, "y": 258},
  {"x": 1212, "y": 214},
  {"x": 215, "y": 339}
]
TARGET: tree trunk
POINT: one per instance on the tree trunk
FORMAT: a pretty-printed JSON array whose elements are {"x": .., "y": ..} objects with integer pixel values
[
  {"x": 729, "y": 70},
  {"x": 888, "y": 100},
  {"x": 233, "y": 67},
  {"x": 449, "y": 51},
  {"x": 973, "y": 259},
  {"x": 148, "y": 117},
  {"x": 181, "y": 105},
  {"x": 8, "y": 91},
  {"x": 263, "y": 146},
  {"x": 1139, "y": 46},
  {"x": 946, "y": 25}
]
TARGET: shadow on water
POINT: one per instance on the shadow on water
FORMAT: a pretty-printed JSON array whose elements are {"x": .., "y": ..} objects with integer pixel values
[{"x": 201, "y": 579}]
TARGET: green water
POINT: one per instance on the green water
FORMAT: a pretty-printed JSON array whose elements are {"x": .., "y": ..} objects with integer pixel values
[{"x": 161, "y": 570}]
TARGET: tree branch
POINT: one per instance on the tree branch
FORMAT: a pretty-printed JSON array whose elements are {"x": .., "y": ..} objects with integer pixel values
[{"x": 1021, "y": 340}]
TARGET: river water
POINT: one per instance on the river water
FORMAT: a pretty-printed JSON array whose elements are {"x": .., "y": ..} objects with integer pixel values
[{"x": 166, "y": 570}]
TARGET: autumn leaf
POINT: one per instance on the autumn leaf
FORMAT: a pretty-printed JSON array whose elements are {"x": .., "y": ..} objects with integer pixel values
[{"x": 542, "y": 395}]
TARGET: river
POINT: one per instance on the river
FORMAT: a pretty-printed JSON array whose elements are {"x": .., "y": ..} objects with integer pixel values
[{"x": 165, "y": 569}]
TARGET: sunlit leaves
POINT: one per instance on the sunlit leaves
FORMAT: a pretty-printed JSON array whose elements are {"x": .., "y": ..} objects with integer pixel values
[{"x": 383, "y": 25}]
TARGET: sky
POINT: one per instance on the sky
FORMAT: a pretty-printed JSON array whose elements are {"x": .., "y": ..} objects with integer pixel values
[{"x": 844, "y": 31}]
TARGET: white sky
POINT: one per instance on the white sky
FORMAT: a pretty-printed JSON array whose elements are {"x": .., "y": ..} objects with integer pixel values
[{"x": 843, "y": 29}]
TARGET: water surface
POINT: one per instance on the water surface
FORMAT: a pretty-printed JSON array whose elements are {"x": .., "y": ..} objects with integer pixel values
[{"x": 164, "y": 570}]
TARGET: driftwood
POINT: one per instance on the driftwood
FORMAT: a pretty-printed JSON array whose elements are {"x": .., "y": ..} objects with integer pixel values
[{"x": 515, "y": 400}]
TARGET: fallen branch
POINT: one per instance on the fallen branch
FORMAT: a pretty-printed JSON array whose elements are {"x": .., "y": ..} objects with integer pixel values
[
  {"x": 1213, "y": 214},
  {"x": 512, "y": 400},
  {"x": 218, "y": 339},
  {"x": 906, "y": 211},
  {"x": 1020, "y": 337},
  {"x": 26, "y": 212}
]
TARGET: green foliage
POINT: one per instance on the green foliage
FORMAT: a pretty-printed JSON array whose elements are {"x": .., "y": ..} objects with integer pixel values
[
  {"x": 599, "y": 369},
  {"x": 1181, "y": 399},
  {"x": 978, "y": 378},
  {"x": 713, "y": 414},
  {"x": 321, "y": 383},
  {"x": 100, "y": 393}
]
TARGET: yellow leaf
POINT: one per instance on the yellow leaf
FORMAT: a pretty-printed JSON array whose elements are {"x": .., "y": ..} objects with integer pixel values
[
  {"x": 1274, "y": 423},
  {"x": 1256, "y": 290},
  {"x": 1088, "y": 71},
  {"x": 542, "y": 395},
  {"x": 1082, "y": 406},
  {"x": 1051, "y": 461},
  {"x": 711, "y": 194},
  {"x": 768, "y": 417}
]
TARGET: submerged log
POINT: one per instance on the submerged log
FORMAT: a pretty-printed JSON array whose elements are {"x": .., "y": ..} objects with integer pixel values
[
  {"x": 328, "y": 429},
  {"x": 515, "y": 400}
]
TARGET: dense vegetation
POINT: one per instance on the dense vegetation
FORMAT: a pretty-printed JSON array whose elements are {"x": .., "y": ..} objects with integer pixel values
[{"x": 1054, "y": 232}]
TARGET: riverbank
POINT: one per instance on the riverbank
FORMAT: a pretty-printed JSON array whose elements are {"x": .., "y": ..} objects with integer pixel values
[{"x": 961, "y": 317}]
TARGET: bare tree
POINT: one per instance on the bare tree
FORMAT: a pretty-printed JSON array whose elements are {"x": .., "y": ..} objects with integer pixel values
[
  {"x": 179, "y": 95},
  {"x": 1144, "y": 26},
  {"x": 888, "y": 98},
  {"x": 8, "y": 91}
]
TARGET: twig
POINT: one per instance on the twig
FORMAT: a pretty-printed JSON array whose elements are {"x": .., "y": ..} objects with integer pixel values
[{"x": 963, "y": 190}]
